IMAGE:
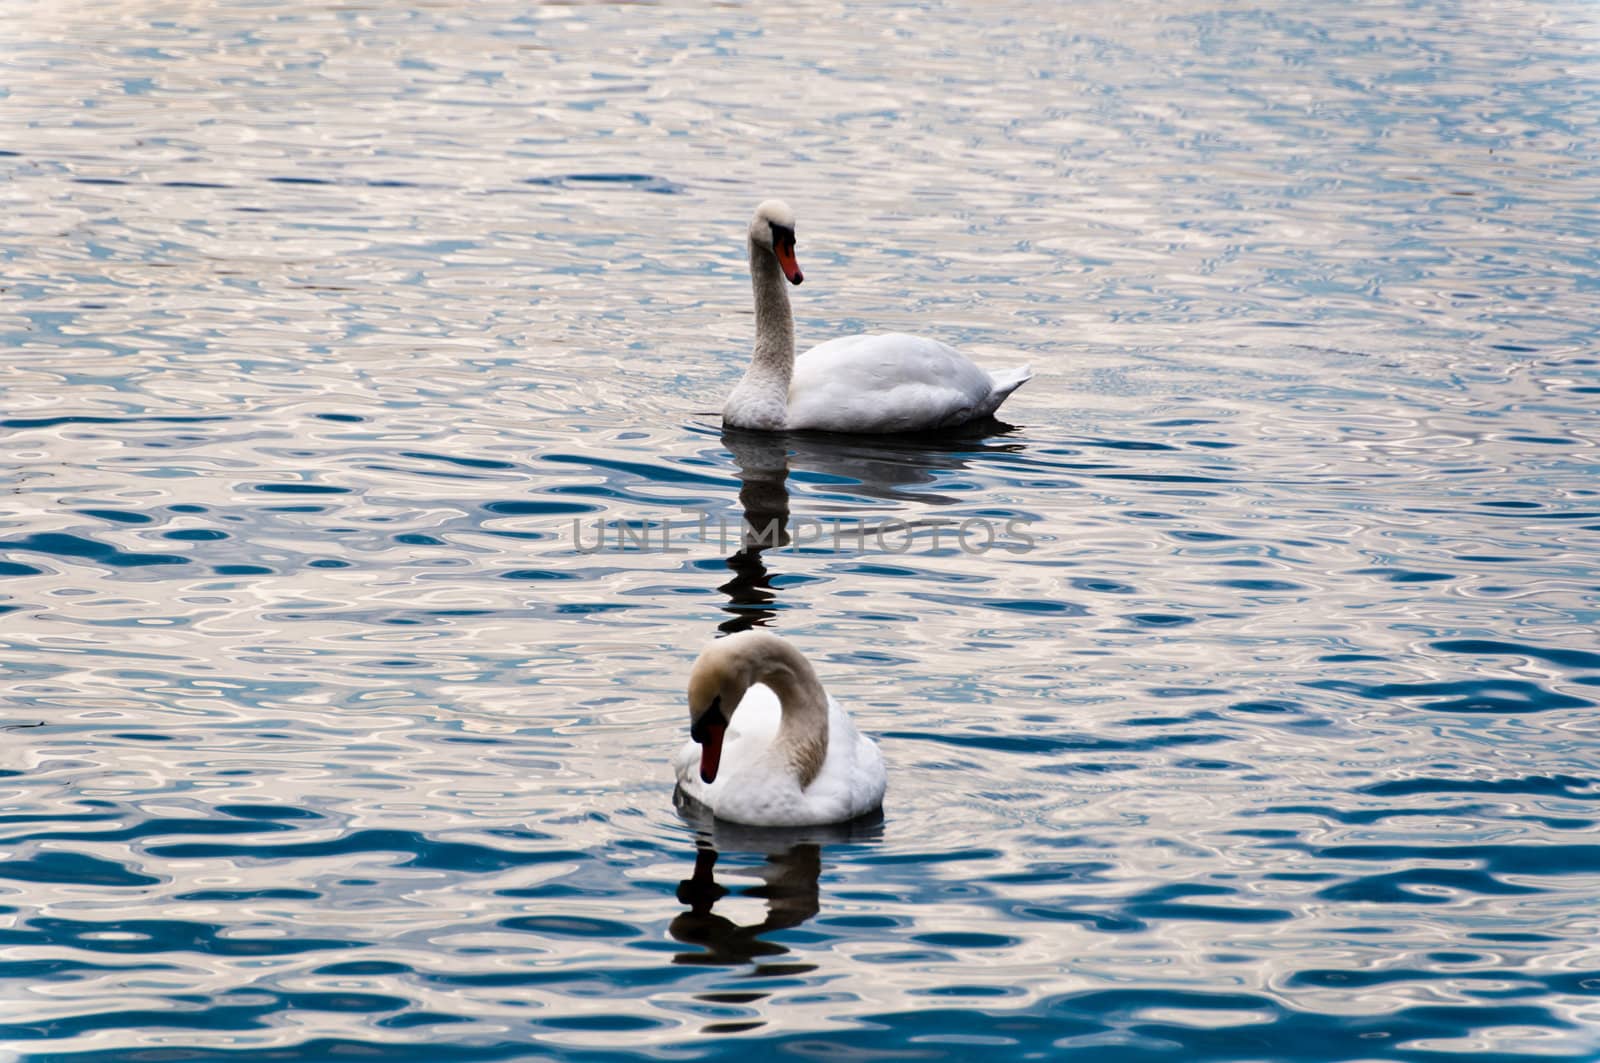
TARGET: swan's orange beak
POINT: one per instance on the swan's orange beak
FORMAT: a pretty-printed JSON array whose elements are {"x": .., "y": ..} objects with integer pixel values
[
  {"x": 791, "y": 268},
  {"x": 708, "y": 730},
  {"x": 710, "y": 753}
]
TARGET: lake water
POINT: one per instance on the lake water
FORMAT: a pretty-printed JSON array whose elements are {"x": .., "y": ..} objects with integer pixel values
[{"x": 1264, "y": 730}]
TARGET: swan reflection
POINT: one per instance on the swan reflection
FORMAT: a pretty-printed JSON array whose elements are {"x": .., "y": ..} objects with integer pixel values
[
  {"x": 840, "y": 472},
  {"x": 787, "y": 882}
]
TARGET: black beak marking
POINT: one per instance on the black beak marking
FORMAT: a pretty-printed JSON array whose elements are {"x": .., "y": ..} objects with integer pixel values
[{"x": 712, "y": 717}]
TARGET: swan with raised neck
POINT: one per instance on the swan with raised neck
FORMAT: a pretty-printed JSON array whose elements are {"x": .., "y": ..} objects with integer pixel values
[
  {"x": 875, "y": 383},
  {"x": 761, "y": 399},
  {"x": 793, "y": 757}
]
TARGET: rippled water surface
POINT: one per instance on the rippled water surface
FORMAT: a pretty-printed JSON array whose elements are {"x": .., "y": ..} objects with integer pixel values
[{"x": 336, "y": 337}]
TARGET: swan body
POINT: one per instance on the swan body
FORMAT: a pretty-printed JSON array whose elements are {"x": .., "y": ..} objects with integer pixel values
[
  {"x": 876, "y": 383},
  {"x": 793, "y": 757}
]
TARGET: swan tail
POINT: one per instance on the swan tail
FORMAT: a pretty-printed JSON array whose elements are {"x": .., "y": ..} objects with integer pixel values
[
  {"x": 1005, "y": 382},
  {"x": 1008, "y": 380}
]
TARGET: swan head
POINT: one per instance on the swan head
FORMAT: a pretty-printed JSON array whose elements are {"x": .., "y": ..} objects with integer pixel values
[
  {"x": 773, "y": 229},
  {"x": 723, "y": 674}
]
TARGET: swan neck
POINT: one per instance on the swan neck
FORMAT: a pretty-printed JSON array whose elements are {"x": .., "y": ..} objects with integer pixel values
[
  {"x": 803, "y": 734},
  {"x": 774, "y": 351}
]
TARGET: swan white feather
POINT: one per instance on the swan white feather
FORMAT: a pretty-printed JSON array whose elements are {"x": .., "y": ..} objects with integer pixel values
[
  {"x": 779, "y": 713},
  {"x": 875, "y": 383}
]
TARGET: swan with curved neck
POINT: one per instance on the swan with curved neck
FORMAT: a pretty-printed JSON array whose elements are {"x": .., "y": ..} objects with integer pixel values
[
  {"x": 768, "y": 747},
  {"x": 878, "y": 383}
]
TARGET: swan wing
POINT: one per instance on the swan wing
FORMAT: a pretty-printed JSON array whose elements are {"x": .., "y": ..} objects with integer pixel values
[
  {"x": 890, "y": 382},
  {"x": 853, "y": 777}
]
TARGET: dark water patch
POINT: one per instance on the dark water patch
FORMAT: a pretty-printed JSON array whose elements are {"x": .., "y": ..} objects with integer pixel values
[
  {"x": 638, "y": 182},
  {"x": 421, "y": 850},
  {"x": 59, "y": 867},
  {"x": 968, "y": 939},
  {"x": 1523, "y": 515},
  {"x": 1159, "y": 619},
  {"x": 870, "y": 659},
  {"x": 1266, "y": 708},
  {"x": 1496, "y": 696},
  {"x": 1192, "y": 764},
  {"x": 570, "y": 926},
  {"x": 542, "y": 508},
  {"x": 466, "y": 463},
  {"x": 1045, "y": 745},
  {"x": 59, "y": 817},
  {"x": 439, "y": 474},
  {"x": 1401, "y": 575},
  {"x": 902, "y": 571},
  {"x": 1026, "y": 606},
  {"x": 62, "y": 544},
  {"x": 654, "y": 473},
  {"x": 1362, "y": 817},
  {"x": 411, "y": 1019},
  {"x": 1127, "y": 1026},
  {"x": 117, "y": 516},
  {"x": 1100, "y": 586},
  {"x": 218, "y": 1015},
  {"x": 49, "y": 970},
  {"x": 52, "y": 422},
  {"x": 159, "y": 936},
  {"x": 299, "y": 489},
  {"x": 890, "y": 859},
  {"x": 272, "y": 812},
  {"x": 1565, "y": 786},
  {"x": 1160, "y": 478},
  {"x": 636, "y": 978},
  {"x": 1529, "y": 859},
  {"x": 1171, "y": 902},
  {"x": 972, "y": 990},
  {"x": 327, "y": 1049},
  {"x": 1201, "y": 537},
  {"x": 156, "y": 827},
  {"x": 1491, "y": 648},
  {"x": 613, "y": 1023},
  {"x": 17, "y": 568},
  {"x": 1516, "y": 982},
  {"x": 234, "y": 896},
  {"x": 1124, "y": 444},
  {"x": 1410, "y": 887},
  {"x": 363, "y": 968}
]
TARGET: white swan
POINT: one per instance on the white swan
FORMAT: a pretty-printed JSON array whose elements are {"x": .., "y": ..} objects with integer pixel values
[
  {"x": 887, "y": 382},
  {"x": 793, "y": 757}
]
